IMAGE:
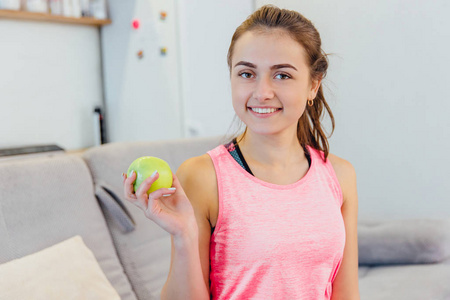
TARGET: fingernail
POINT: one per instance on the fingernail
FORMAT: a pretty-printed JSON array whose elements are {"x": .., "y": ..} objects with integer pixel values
[
  {"x": 167, "y": 195},
  {"x": 172, "y": 189},
  {"x": 154, "y": 173},
  {"x": 132, "y": 172}
]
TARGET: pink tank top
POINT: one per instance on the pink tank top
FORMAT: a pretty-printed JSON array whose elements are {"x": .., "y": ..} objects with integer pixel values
[{"x": 276, "y": 241}]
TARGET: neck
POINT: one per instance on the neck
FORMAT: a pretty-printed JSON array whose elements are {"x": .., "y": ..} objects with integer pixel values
[{"x": 275, "y": 151}]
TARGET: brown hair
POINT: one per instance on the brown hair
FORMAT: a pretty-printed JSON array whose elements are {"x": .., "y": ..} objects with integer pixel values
[{"x": 309, "y": 128}]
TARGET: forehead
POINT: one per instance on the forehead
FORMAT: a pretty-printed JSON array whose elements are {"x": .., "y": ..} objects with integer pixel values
[{"x": 268, "y": 48}]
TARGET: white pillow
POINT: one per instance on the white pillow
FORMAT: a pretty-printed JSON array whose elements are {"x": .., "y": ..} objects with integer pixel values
[{"x": 67, "y": 270}]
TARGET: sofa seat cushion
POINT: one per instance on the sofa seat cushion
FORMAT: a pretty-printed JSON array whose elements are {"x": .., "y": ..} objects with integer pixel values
[
  {"x": 44, "y": 201},
  {"x": 412, "y": 282}
]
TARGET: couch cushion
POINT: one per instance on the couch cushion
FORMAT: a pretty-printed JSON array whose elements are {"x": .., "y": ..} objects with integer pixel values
[
  {"x": 412, "y": 282},
  {"x": 144, "y": 251},
  {"x": 67, "y": 270},
  {"x": 409, "y": 241},
  {"x": 44, "y": 201}
]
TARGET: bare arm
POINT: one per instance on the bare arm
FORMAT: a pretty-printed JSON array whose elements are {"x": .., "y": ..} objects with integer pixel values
[
  {"x": 185, "y": 280},
  {"x": 189, "y": 269},
  {"x": 345, "y": 285}
]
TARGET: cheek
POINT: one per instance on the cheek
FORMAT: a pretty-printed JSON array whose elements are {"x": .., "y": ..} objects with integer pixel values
[
  {"x": 239, "y": 95},
  {"x": 237, "y": 101},
  {"x": 296, "y": 100},
  {"x": 294, "y": 96}
]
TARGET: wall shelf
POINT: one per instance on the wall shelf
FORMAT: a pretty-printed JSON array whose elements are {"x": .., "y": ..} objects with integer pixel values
[{"x": 32, "y": 16}]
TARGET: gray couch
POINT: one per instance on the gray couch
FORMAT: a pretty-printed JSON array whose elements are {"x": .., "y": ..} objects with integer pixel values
[{"x": 48, "y": 199}]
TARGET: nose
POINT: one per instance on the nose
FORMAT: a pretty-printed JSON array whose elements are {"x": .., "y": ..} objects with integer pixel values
[{"x": 263, "y": 89}]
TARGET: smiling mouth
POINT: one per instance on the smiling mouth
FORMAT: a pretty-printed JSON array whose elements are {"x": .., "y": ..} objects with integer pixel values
[{"x": 264, "y": 110}]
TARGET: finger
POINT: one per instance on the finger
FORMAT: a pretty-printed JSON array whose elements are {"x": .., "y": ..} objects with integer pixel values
[
  {"x": 128, "y": 185},
  {"x": 154, "y": 197},
  {"x": 175, "y": 179},
  {"x": 146, "y": 184},
  {"x": 124, "y": 177},
  {"x": 131, "y": 177},
  {"x": 176, "y": 183},
  {"x": 163, "y": 192}
]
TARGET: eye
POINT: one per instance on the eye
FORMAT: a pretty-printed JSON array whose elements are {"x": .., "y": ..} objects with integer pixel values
[
  {"x": 245, "y": 75},
  {"x": 282, "y": 76}
]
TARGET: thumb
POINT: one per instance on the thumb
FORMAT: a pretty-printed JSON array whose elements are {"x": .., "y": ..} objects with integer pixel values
[{"x": 175, "y": 182}]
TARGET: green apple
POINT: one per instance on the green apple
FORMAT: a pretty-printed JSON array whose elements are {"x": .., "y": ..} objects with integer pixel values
[{"x": 144, "y": 168}]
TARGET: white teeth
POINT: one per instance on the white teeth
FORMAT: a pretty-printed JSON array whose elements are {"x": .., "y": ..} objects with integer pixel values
[{"x": 264, "y": 110}]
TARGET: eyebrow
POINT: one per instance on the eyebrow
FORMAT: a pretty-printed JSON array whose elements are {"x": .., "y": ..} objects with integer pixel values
[{"x": 274, "y": 67}]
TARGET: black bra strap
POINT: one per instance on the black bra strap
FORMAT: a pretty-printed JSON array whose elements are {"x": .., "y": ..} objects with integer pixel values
[{"x": 238, "y": 151}]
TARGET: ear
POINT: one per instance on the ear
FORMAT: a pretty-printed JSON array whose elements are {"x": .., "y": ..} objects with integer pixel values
[{"x": 315, "y": 85}]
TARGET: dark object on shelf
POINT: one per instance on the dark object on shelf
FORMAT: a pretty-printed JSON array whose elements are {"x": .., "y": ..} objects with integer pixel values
[
  {"x": 29, "y": 150},
  {"x": 98, "y": 111}
]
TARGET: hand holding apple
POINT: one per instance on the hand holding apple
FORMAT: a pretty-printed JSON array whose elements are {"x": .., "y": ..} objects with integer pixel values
[{"x": 167, "y": 206}]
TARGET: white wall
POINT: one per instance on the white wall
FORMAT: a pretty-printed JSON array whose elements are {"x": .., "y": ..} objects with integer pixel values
[
  {"x": 142, "y": 95},
  {"x": 50, "y": 82},
  {"x": 205, "y": 29},
  {"x": 387, "y": 87}
]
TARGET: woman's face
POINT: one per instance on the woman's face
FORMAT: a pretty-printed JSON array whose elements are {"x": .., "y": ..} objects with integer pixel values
[{"x": 270, "y": 81}]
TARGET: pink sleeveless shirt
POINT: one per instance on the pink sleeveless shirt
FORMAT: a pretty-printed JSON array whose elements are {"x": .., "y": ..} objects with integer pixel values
[{"x": 276, "y": 241}]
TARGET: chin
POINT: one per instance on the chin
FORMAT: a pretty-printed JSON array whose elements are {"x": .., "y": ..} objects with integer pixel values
[
  {"x": 264, "y": 131},
  {"x": 271, "y": 130}
]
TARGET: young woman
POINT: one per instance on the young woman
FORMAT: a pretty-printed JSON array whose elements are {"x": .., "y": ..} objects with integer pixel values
[{"x": 271, "y": 214}]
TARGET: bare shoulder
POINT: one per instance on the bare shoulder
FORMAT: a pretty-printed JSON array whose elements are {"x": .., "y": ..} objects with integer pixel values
[
  {"x": 345, "y": 173},
  {"x": 341, "y": 166},
  {"x": 196, "y": 170},
  {"x": 198, "y": 179}
]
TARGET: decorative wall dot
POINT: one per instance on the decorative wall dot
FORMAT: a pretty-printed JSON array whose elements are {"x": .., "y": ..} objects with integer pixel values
[{"x": 136, "y": 24}]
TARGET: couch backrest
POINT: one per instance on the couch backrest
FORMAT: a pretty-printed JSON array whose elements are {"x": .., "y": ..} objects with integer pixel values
[
  {"x": 44, "y": 201},
  {"x": 143, "y": 247}
]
